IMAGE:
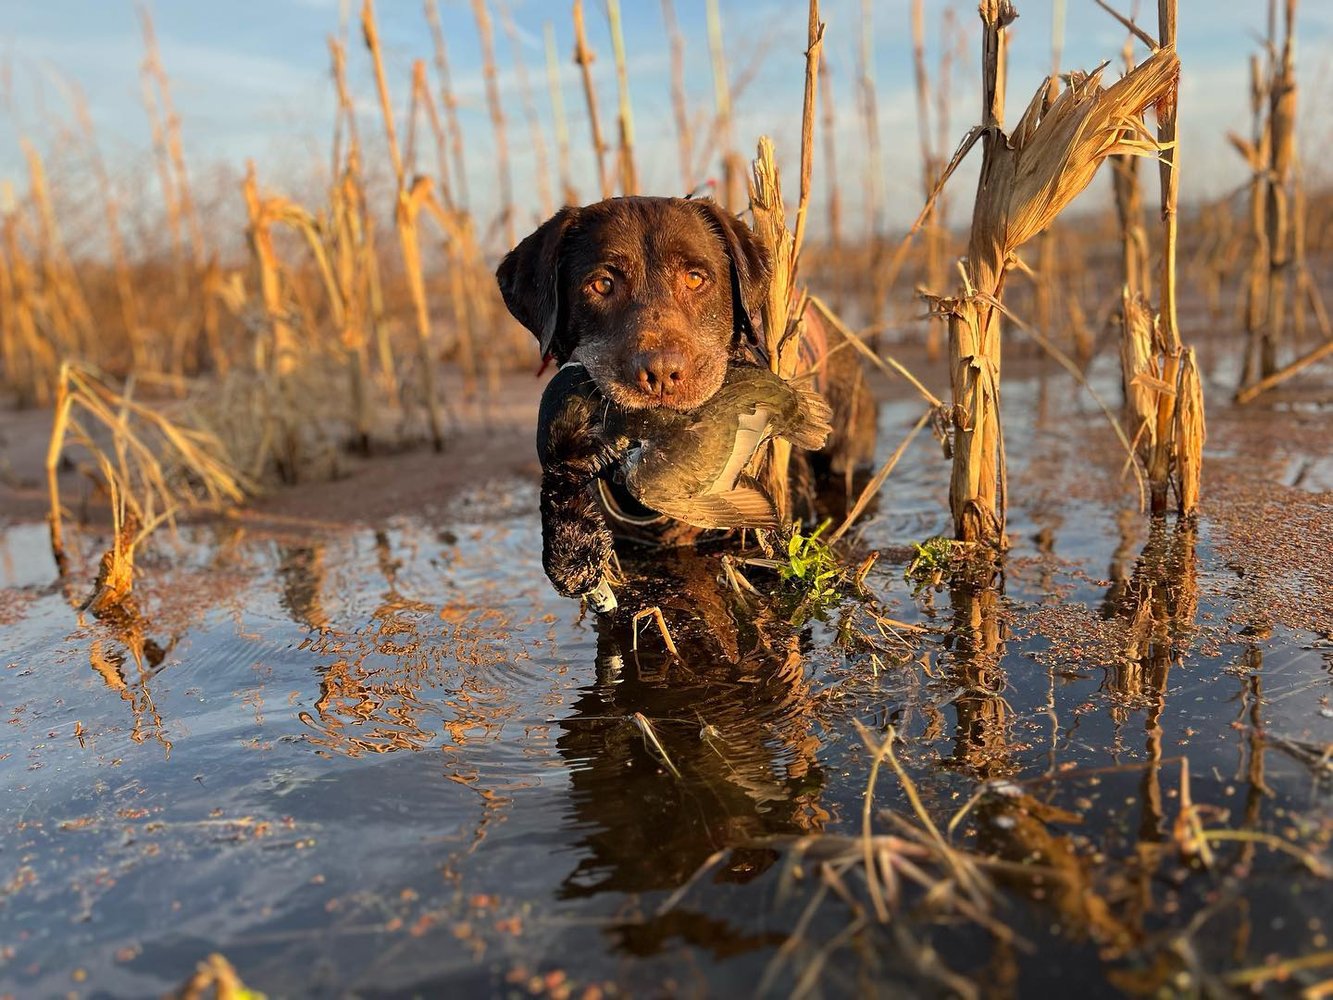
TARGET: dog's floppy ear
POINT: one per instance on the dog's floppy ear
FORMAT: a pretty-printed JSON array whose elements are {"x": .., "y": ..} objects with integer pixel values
[
  {"x": 751, "y": 269},
  {"x": 529, "y": 278}
]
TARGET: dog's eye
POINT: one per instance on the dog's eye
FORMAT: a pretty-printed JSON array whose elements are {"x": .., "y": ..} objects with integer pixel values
[
  {"x": 694, "y": 280},
  {"x": 602, "y": 286}
]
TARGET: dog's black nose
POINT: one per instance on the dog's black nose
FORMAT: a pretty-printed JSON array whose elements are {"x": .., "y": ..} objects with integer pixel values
[{"x": 661, "y": 373}]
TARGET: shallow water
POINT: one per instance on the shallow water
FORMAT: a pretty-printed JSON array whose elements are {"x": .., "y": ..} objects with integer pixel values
[{"x": 389, "y": 760}]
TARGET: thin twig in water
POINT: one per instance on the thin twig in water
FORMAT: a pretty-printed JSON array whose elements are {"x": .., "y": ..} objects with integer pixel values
[
  {"x": 1259, "y": 975},
  {"x": 867, "y": 806},
  {"x": 650, "y": 735},
  {"x": 1274, "y": 842},
  {"x": 672, "y": 901}
]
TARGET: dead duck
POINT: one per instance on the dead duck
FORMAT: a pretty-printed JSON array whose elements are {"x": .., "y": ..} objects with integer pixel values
[{"x": 691, "y": 465}]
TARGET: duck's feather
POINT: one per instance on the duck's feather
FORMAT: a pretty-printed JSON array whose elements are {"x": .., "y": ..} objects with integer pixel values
[
  {"x": 746, "y": 506},
  {"x": 752, "y": 430}
]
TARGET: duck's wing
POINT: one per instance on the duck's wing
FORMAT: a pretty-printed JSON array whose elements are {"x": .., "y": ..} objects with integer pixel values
[
  {"x": 753, "y": 428},
  {"x": 744, "y": 505}
]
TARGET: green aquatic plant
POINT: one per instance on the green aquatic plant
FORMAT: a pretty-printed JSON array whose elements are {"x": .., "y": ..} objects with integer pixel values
[
  {"x": 931, "y": 562},
  {"x": 811, "y": 567}
]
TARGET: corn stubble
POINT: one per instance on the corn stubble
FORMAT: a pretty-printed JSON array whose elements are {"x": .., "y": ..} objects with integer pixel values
[
  {"x": 1279, "y": 288},
  {"x": 784, "y": 308},
  {"x": 1028, "y": 176}
]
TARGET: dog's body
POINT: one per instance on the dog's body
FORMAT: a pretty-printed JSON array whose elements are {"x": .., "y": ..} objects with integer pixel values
[{"x": 653, "y": 297}]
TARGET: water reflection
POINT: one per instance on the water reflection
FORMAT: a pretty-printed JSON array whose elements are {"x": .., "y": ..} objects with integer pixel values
[
  {"x": 1153, "y": 605},
  {"x": 1157, "y": 604},
  {"x": 127, "y": 647},
  {"x": 981, "y": 743},
  {"x": 733, "y": 718},
  {"x": 301, "y": 573},
  {"x": 413, "y": 675},
  {"x": 126, "y": 657}
]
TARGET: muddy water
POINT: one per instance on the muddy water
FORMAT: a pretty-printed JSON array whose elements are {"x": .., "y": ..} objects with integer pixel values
[{"x": 389, "y": 761}]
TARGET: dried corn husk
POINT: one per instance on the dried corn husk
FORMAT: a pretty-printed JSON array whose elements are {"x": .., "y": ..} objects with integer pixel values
[{"x": 1027, "y": 178}]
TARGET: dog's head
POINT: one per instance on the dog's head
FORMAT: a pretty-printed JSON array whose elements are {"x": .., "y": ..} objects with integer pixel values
[{"x": 651, "y": 295}]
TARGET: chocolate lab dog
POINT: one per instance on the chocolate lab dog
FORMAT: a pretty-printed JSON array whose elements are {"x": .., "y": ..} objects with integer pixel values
[{"x": 653, "y": 298}]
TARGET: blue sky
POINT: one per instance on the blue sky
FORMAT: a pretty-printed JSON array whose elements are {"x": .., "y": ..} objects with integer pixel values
[{"x": 250, "y": 79}]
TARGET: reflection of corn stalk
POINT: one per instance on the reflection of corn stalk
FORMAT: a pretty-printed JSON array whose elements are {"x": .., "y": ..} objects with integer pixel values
[
  {"x": 1159, "y": 603},
  {"x": 109, "y": 664},
  {"x": 977, "y": 670}
]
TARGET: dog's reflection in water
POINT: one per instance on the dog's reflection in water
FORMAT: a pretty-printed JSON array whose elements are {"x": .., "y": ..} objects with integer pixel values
[{"x": 730, "y": 757}]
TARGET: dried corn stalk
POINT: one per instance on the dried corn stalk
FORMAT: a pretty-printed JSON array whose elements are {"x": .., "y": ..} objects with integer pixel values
[
  {"x": 1129, "y": 213},
  {"x": 583, "y": 57},
  {"x": 1027, "y": 177},
  {"x": 1163, "y": 410},
  {"x": 153, "y": 466},
  {"x": 1273, "y": 300},
  {"x": 770, "y": 226},
  {"x": 1141, "y": 375},
  {"x": 629, "y": 178},
  {"x": 496, "y": 107},
  {"x": 934, "y": 157},
  {"x": 407, "y": 208},
  {"x": 782, "y": 318},
  {"x": 1190, "y": 433}
]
